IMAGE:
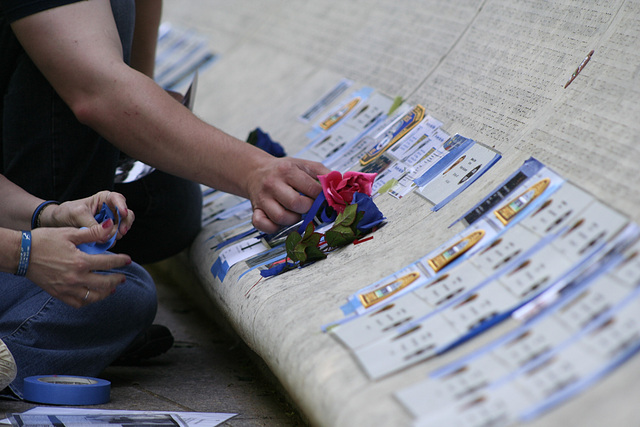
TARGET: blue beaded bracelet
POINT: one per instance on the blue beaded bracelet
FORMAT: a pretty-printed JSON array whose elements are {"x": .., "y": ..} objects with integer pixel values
[
  {"x": 25, "y": 254},
  {"x": 35, "y": 218}
]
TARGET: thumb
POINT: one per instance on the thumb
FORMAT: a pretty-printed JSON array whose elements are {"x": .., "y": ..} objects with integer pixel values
[{"x": 96, "y": 233}]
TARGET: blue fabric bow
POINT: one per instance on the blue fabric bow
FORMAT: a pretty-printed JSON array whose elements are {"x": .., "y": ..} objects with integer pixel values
[{"x": 262, "y": 140}]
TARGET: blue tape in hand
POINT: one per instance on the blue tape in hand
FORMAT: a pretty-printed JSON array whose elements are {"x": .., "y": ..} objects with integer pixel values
[
  {"x": 66, "y": 390},
  {"x": 93, "y": 248}
]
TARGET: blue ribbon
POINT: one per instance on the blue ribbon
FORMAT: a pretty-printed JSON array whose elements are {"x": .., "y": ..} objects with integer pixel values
[
  {"x": 93, "y": 248},
  {"x": 317, "y": 208}
]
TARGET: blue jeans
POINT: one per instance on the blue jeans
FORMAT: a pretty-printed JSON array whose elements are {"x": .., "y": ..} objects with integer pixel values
[
  {"x": 49, "y": 153},
  {"x": 48, "y": 337}
]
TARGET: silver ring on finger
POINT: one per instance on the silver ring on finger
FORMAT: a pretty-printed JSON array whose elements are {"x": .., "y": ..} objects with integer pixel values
[{"x": 86, "y": 295}]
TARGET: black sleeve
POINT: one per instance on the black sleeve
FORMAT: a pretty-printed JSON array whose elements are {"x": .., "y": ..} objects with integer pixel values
[{"x": 13, "y": 10}]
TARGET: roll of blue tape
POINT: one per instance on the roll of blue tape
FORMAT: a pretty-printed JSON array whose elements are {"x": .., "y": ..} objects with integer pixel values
[{"x": 66, "y": 390}]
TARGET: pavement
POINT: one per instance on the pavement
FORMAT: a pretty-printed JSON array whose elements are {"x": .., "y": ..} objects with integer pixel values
[{"x": 207, "y": 370}]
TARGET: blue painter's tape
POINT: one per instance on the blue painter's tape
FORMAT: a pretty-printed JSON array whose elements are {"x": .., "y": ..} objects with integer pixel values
[
  {"x": 93, "y": 248},
  {"x": 220, "y": 269},
  {"x": 66, "y": 390}
]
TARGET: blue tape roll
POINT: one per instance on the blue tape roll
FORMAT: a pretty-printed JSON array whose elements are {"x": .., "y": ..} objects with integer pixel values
[{"x": 66, "y": 390}]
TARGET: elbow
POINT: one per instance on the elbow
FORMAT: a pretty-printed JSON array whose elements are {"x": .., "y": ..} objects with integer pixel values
[{"x": 86, "y": 110}]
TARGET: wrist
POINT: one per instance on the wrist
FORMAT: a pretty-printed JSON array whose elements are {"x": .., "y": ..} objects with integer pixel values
[
  {"x": 38, "y": 218},
  {"x": 25, "y": 253}
]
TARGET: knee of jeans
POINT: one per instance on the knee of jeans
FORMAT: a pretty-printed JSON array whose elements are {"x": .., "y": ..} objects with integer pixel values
[{"x": 138, "y": 295}]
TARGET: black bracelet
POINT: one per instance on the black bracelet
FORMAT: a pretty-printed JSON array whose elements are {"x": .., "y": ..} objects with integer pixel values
[{"x": 35, "y": 218}]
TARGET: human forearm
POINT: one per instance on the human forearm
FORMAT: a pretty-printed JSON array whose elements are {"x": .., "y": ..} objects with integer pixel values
[
  {"x": 9, "y": 250},
  {"x": 141, "y": 119},
  {"x": 145, "y": 37},
  {"x": 150, "y": 125},
  {"x": 17, "y": 206}
]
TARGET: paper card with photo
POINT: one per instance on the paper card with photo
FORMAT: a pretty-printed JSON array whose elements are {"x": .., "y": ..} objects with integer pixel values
[
  {"x": 435, "y": 142},
  {"x": 278, "y": 253},
  {"x": 588, "y": 231},
  {"x": 419, "y": 163},
  {"x": 500, "y": 407},
  {"x": 465, "y": 169},
  {"x": 506, "y": 247},
  {"x": 516, "y": 185},
  {"x": 394, "y": 353},
  {"x": 536, "y": 273},
  {"x": 180, "y": 53},
  {"x": 371, "y": 326},
  {"x": 558, "y": 209},
  {"x": 430, "y": 395},
  {"x": 388, "y": 178},
  {"x": 372, "y": 111},
  {"x": 592, "y": 301},
  {"x": 616, "y": 333},
  {"x": 527, "y": 197},
  {"x": 608, "y": 342},
  {"x": 326, "y": 100},
  {"x": 385, "y": 289},
  {"x": 338, "y": 115},
  {"x": 627, "y": 272},
  {"x": 230, "y": 234},
  {"x": 447, "y": 287},
  {"x": 479, "y": 308},
  {"x": 379, "y": 165},
  {"x": 398, "y": 129},
  {"x": 349, "y": 155},
  {"x": 236, "y": 252},
  {"x": 414, "y": 139},
  {"x": 328, "y": 144},
  {"x": 461, "y": 246},
  {"x": 220, "y": 207}
]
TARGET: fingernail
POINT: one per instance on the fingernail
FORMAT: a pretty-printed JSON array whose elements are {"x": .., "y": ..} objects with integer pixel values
[
  {"x": 128, "y": 262},
  {"x": 108, "y": 223},
  {"x": 124, "y": 279},
  {"x": 113, "y": 291}
]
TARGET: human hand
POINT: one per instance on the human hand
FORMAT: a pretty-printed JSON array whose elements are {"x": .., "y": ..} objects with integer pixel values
[
  {"x": 80, "y": 213},
  {"x": 67, "y": 273},
  {"x": 283, "y": 189}
]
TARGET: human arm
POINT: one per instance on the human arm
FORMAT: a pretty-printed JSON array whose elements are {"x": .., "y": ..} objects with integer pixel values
[
  {"x": 145, "y": 36},
  {"x": 18, "y": 206},
  {"x": 77, "y": 48}
]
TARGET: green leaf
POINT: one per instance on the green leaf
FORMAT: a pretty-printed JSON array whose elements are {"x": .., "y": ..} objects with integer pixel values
[
  {"x": 299, "y": 253},
  {"x": 312, "y": 241},
  {"x": 314, "y": 254},
  {"x": 354, "y": 226},
  {"x": 309, "y": 232},
  {"x": 339, "y": 236},
  {"x": 292, "y": 241},
  {"x": 348, "y": 216}
]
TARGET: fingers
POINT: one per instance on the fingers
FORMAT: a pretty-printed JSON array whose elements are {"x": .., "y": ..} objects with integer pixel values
[
  {"x": 117, "y": 201},
  {"x": 99, "y": 287},
  {"x": 286, "y": 193},
  {"x": 263, "y": 223},
  {"x": 96, "y": 233},
  {"x": 99, "y": 283}
]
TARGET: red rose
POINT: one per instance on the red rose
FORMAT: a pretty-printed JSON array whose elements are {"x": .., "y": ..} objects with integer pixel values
[{"x": 339, "y": 189}]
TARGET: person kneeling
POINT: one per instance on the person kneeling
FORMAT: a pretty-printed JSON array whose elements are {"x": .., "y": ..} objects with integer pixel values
[{"x": 64, "y": 311}]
